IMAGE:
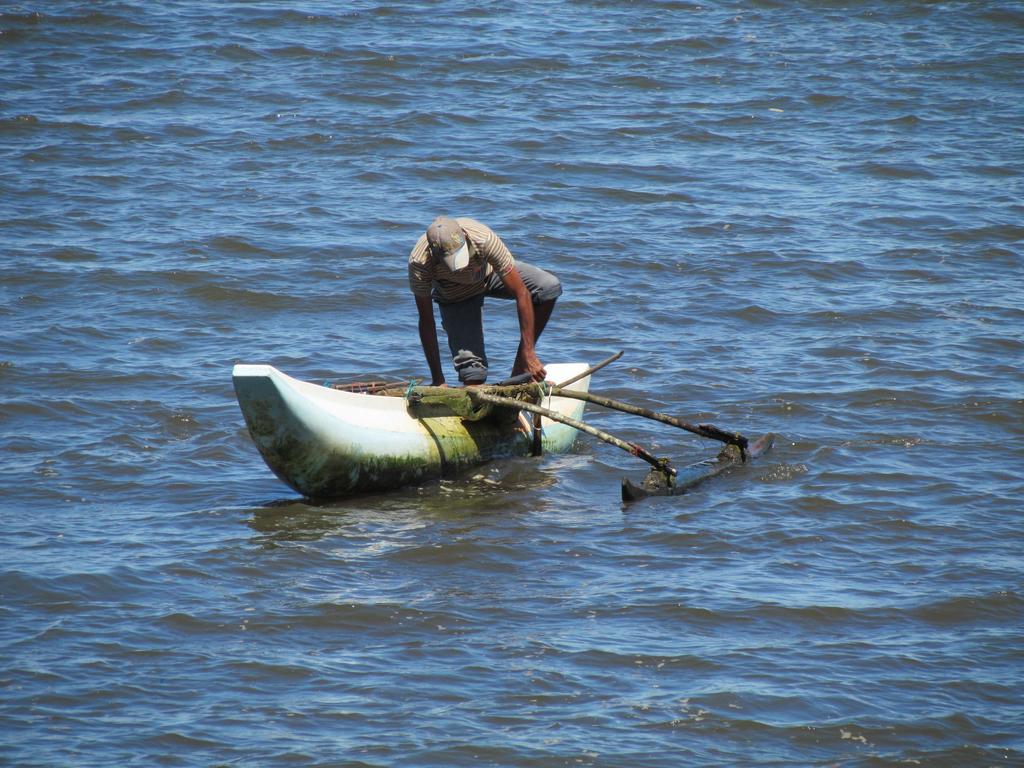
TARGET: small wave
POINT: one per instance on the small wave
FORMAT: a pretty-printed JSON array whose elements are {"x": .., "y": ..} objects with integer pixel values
[
  {"x": 864, "y": 400},
  {"x": 905, "y": 224},
  {"x": 308, "y": 141},
  {"x": 894, "y": 171},
  {"x": 10, "y": 36},
  {"x": 997, "y": 171},
  {"x": 604, "y": 659},
  {"x": 184, "y": 131},
  {"x": 274, "y": 19},
  {"x": 904, "y": 121},
  {"x": 49, "y": 410},
  {"x": 700, "y": 136},
  {"x": 512, "y": 66},
  {"x": 638, "y": 196},
  {"x": 640, "y": 82},
  {"x": 755, "y": 314},
  {"x": 1008, "y": 233},
  {"x": 738, "y": 120},
  {"x": 238, "y": 246},
  {"x": 235, "y": 52},
  {"x": 99, "y": 19},
  {"x": 45, "y": 155},
  {"x": 67, "y": 590},
  {"x": 23, "y": 17},
  {"x": 822, "y": 615},
  {"x": 18, "y": 124},
  {"x": 825, "y": 99},
  {"x": 264, "y": 670},
  {"x": 383, "y": 616},
  {"x": 370, "y": 177},
  {"x": 492, "y": 558},
  {"x": 31, "y": 124},
  {"x": 112, "y": 181},
  {"x": 245, "y": 297},
  {"x": 836, "y": 272},
  {"x": 129, "y": 135},
  {"x": 689, "y": 44},
  {"x": 139, "y": 54},
  {"x": 189, "y": 624},
  {"x": 70, "y": 254},
  {"x": 297, "y": 52},
  {"x": 1005, "y": 606},
  {"x": 175, "y": 742},
  {"x": 414, "y": 121},
  {"x": 1007, "y": 15},
  {"x": 170, "y": 98}
]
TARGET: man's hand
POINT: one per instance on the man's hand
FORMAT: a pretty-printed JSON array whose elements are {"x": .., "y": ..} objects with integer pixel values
[{"x": 535, "y": 368}]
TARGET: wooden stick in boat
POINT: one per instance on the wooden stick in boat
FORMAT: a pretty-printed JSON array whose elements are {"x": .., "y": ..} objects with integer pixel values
[
  {"x": 631, "y": 448},
  {"x": 590, "y": 370},
  {"x": 366, "y": 387},
  {"x": 704, "y": 430}
]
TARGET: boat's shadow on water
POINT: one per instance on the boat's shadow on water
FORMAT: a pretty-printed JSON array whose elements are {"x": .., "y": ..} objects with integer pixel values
[{"x": 502, "y": 487}]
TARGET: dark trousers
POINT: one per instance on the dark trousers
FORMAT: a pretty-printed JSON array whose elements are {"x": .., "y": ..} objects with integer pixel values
[{"x": 463, "y": 320}]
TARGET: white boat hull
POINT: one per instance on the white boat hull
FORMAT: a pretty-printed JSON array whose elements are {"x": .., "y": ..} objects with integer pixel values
[{"x": 328, "y": 443}]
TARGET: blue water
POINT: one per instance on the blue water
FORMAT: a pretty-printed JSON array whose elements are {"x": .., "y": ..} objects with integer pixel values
[{"x": 805, "y": 218}]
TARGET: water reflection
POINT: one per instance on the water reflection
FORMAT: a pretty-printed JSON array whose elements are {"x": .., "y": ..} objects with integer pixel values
[{"x": 502, "y": 487}]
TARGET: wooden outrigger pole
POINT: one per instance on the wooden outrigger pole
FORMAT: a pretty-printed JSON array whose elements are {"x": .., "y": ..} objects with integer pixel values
[
  {"x": 661, "y": 465},
  {"x": 474, "y": 403},
  {"x": 704, "y": 430}
]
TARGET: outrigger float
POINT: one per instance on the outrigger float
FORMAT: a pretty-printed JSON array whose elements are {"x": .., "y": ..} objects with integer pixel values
[{"x": 336, "y": 441}]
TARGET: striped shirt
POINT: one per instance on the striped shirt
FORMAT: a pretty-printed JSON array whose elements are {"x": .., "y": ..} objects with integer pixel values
[{"x": 487, "y": 254}]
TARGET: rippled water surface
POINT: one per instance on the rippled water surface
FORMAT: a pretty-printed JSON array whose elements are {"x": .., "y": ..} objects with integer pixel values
[{"x": 804, "y": 218}]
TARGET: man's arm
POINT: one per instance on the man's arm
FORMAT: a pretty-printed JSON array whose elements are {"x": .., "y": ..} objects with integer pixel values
[
  {"x": 526, "y": 359},
  {"x": 428, "y": 338}
]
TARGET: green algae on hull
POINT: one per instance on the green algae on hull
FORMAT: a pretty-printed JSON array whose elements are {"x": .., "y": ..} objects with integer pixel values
[{"x": 455, "y": 447}]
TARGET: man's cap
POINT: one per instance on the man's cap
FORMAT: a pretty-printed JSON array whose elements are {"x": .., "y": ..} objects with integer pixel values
[{"x": 448, "y": 242}]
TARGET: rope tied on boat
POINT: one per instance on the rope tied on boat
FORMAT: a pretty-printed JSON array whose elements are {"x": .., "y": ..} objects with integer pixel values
[{"x": 413, "y": 383}]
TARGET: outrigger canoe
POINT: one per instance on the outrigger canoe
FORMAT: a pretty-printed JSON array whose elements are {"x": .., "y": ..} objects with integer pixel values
[{"x": 330, "y": 443}]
